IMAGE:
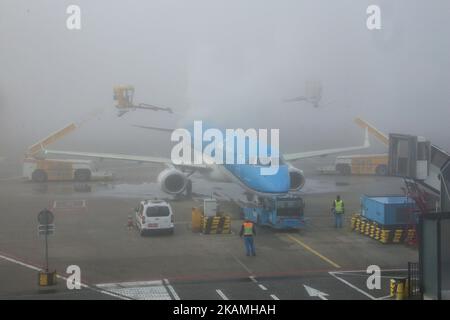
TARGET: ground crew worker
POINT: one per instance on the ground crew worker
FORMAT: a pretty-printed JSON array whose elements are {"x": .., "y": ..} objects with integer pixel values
[
  {"x": 130, "y": 222},
  {"x": 248, "y": 231},
  {"x": 338, "y": 210}
]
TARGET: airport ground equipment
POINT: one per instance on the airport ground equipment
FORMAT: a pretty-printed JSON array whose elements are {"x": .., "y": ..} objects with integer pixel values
[
  {"x": 284, "y": 212},
  {"x": 43, "y": 170},
  {"x": 409, "y": 156},
  {"x": 381, "y": 136},
  {"x": 209, "y": 219},
  {"x": 210, "y": 207},
  {"x": 417, "y": 160},
  {"x": 414, "y": 157},
  {"x": 362, "y": 164},
  {"x": 37, "y": 168},
  {"x": 383, "y": 233},
  {"x": 366, "y": 164},
  {"x": 124, "y": 94},
  {"x": 220, "y": 224},
  {"x": 388, "y": 219},
  {"x": 197, "y": 219},
  {"x": 388, "y": 210},
  {"x": 424, "y": 168}
]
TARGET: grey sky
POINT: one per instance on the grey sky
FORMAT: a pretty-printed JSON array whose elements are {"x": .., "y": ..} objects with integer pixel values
[{"x": 228, "y": 62}]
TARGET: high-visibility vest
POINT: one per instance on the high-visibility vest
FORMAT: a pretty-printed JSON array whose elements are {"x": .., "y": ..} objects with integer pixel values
[
  {"x": 339, "y": 206},
  {"x": 248, "y": 229}
]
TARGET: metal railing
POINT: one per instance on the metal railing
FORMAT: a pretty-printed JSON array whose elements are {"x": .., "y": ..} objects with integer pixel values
[{"x": 414, "y": 281}]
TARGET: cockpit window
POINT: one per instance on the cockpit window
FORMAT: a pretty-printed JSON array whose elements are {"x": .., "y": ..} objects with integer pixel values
[{"x": 268, "y": 163}]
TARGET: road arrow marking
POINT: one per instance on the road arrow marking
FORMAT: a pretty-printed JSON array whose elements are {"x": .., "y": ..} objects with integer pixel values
[{"x": 315, "y": 293}]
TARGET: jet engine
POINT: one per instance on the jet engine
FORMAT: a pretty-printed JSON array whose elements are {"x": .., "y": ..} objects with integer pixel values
[
  {"x": 172, "y": 181},
  {"x": 297, "y": 179}
]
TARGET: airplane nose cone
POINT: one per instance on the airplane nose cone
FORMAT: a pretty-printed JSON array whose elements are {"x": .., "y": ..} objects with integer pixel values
[{"x": 276, "y": 183}]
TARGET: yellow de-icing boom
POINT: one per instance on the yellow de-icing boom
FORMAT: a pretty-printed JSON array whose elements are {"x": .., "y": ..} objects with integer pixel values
[
  {"x": 123, "y": 95},
  {"x": 38, "y": 146},
  {"x": 377, "y": 133}
]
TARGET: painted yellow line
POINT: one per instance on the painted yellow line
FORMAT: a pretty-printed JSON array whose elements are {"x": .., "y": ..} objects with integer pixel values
[{"x": 334, "y": 264}]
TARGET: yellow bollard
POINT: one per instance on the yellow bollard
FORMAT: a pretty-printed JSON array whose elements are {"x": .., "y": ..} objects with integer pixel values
[
  {"x": 46, "y": 278},
  {"x": 392, "y": 287},
  {"x": 353, "y": 222},
  {"x": 400, "y": 294},
  {"x": 406, "y": 289}
]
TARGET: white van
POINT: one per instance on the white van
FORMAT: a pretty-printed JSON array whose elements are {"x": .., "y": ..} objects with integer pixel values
[{"x": 154, "y": 215}]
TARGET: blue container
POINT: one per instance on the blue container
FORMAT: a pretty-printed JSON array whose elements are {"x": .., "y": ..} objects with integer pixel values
[{"x": 389, "y": 210}]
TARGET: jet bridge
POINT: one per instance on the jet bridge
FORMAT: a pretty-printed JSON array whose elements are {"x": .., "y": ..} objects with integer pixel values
[
  {"x": 415, "y": 158},
  {"x": 428, "y": 167},
  {"x": 445, "y": 187}
]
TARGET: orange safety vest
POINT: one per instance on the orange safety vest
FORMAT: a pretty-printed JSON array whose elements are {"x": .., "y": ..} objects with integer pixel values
[{"x": 248, "y": 228}]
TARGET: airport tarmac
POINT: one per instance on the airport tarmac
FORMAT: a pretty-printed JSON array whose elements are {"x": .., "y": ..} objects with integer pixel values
[{"x": 318, "y": 262}]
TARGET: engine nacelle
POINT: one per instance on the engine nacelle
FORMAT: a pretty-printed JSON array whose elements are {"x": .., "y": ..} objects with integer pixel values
[
  {"x": 297, "y": 179},
  {"x": 172, "y": 181}
]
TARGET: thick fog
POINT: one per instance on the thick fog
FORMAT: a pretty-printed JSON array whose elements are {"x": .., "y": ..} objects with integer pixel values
[{"x": 229, "y": 62}]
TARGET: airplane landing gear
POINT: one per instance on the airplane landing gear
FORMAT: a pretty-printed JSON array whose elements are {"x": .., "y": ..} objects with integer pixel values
[{"x": 189, "y": 189}]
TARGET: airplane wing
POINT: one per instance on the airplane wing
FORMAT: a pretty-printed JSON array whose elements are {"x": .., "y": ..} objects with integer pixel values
[
  {"x": 121, "y": 112},
  {"x": 168, "y": 162},
  {"x": 296, "y": 99},
  {"x": 169, "y": 130},
  {"x": 152, "y": 107},
  {"x": 318, "y": 153},
  {"x": 123, "y": 157}
]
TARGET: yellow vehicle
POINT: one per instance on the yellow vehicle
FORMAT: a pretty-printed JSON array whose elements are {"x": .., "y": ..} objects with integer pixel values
[
  {"x": 362, "y": 164},
  {"x": 123, "y": 95},
  {"x": 37, "y": 168},
  {"x": 43, "y": 170}
]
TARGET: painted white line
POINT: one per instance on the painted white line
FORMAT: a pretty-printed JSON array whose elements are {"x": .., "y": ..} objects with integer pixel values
[
  {"x": 171, "y": 289},
  {"x": 274, "y": 297},
  {"x": 221, "y": 294},
  {"x": 109, "y": 293},
  {"x": 35, "y": 268},
  {"x": 139, "y": 290},
  {"x": 242, "y": 264},
  {"x": 360, "y": 275},
  {"x": 385, "y": 297},
  {"x": 130, "y": 284},
  {"x": 253, "y": 279},
  {"x": 352, "y": 286},
  {"x": 95, "y": 289},
  {"x": 262, "y": 287},
  {"x": 355, "y": 271},
  {"x": 11, "y": 178},
  {"x": 29, "y": 266}
]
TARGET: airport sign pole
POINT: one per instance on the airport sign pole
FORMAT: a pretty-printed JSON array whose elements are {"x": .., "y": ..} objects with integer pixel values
[{"x": 46, "y": 227}]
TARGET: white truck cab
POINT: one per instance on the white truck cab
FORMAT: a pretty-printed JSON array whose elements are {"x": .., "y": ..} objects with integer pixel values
[{"x": 154, "y": 215}]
